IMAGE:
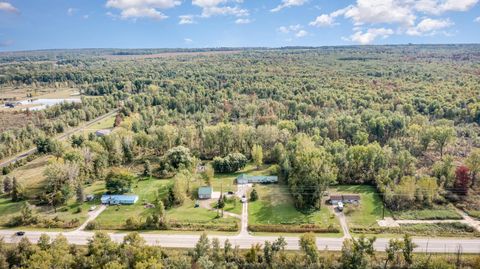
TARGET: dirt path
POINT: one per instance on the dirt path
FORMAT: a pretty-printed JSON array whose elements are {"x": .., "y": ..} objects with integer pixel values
[
  {"x": 343, "y": 222},
  {"x": 92, "y": 215}
]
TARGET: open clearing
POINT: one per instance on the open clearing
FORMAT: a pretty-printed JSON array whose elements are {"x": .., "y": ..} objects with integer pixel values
[
  {"x": 275, "y": 206},
  {"x": 114, "y": 217},
  {"x": 368, "y": 211}
]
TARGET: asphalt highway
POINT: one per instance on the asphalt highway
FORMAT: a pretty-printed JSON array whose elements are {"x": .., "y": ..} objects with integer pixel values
[{"x": 432, "y": 245}]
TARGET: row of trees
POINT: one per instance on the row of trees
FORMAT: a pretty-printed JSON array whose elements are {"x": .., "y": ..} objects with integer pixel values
[{"x": 133, "y": 252}]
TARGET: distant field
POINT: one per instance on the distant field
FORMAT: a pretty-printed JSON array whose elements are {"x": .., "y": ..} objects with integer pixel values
[
  {"x": 167, "y": 54},
  {"x": 368, "y": 211},
  {"x": 21, "y": 92}
]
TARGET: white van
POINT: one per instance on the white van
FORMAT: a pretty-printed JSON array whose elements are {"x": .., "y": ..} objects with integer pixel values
[{"x": 340, "y": 206}]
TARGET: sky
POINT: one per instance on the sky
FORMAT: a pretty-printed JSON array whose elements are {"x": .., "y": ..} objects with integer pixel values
[{"x": 50, "y": 24}]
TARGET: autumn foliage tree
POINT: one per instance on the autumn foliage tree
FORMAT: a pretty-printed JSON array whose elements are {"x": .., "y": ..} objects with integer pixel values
[{"x": 462, "y": 180}]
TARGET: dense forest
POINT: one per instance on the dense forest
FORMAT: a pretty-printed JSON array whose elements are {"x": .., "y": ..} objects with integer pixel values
[{"x": 404, "y": 119}]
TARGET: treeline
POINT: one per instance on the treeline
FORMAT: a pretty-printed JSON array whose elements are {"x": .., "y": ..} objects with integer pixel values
[{"x": 133, "y": 252}]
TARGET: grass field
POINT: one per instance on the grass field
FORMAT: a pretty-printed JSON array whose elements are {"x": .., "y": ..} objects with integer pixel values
[
  {"x": 436, "y": 213},
  {"x": 114, "y": 217},
  {"x": 31, "y": 177},
  {"x": 275, "y": 206},
  {"x": 106, "y": 123},
  {"x": 226, "y": 181},
  {"x": 370, "y": 208}
]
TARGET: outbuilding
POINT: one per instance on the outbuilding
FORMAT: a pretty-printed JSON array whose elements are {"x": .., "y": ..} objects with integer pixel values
[
  {"x": 103, "y": 132},
  {"x": 246, "y": 179},
  {"x": 108, "y": 199},
  {"x": 205, "y": 192}
]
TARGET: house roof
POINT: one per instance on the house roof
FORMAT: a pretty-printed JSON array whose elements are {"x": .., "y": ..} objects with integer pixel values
[
  {"x": 336, "y": 197},
  {"x": 205, "y": 190},
  {"x": 344, "y": 197},
  {"x": 103, "y": 132},
  {"x": 249, "y": 178},
  {"x": 351, "y": 197},
  {"x": 107, "y": 197}
]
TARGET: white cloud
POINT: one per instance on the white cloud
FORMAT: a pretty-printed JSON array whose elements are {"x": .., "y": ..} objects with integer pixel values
[
  {"x": 142, "y": 8},
  {"x": 370, "y": 35},
  {"x": 404, "y": 16},
  {"x": 213, "y": 8},
  {"x": 381, "y": 11},
  {"x": 428, "y": 26},
  {"x": 71, "y": 11},
  {"x": 188, "y": 40},
  {"x": 288, "y": 3},
  {"x": 7, "y": 7},
  {"x": 328, "y": 19},
  {"x": 86, "y": 16},
  {"x": 322, "y": 20},
  {"x": 186, "y": 19},
  {"x": 296, "y": 30},
  {"x": 243, "y": 21},
  {"x": 301, "y": 33},
  {"x": 477, "y": 19}
]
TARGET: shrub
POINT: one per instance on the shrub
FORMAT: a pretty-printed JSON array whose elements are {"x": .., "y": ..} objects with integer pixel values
[
  {"x": 92, "y": 225},
  {"x": 132, "y": 224}
]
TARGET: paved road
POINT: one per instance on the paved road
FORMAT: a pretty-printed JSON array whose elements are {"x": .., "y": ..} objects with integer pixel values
[
  {"x": 62, "y": 136},
  {"x": 245, "y": 241}
]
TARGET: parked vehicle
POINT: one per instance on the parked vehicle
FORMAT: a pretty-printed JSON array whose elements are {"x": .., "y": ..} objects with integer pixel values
[
  {"x": 20, "y": 233},
  {"x": 244, "y": 199},
  {"x": 92, "y": 208},
  {"x": 340, "y": 206}
]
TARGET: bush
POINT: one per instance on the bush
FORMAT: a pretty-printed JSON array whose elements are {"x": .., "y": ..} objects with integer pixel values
[
  {"x": 132, "y": 224},
  {"x": 78, "y": 210},
  {"x": 92, "y": 225},
  {"x": 254, "y": 195}
]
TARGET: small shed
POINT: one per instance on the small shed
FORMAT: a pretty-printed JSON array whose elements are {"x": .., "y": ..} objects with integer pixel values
[
  {"x": 103, "y": 132},
  {"x": 119, "y": 199},
  {"x": 205, "y": 192},
  {"x": 246, "y": 179}
]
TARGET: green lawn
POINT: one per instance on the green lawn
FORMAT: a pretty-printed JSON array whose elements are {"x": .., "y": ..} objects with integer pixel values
[
  {"x": 275, "y": 206},
  {"x": 368, "y": 211},
  {"x": 233, "y": 205},
  {"x": 226, "y": 181},
  {"x": 68, "y": 212},
  {"x": 436, "y": 213},
  {"x": 114, "y": 217}
]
